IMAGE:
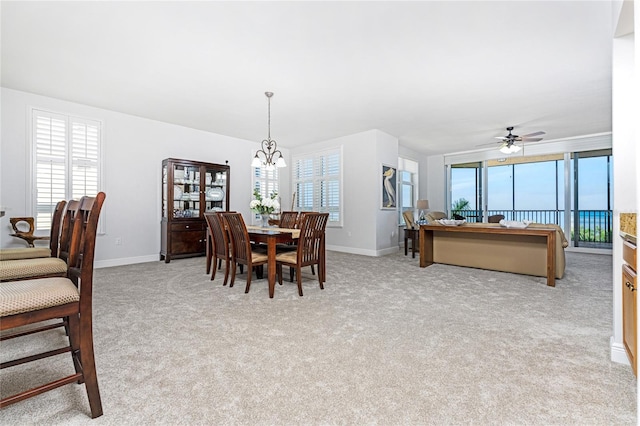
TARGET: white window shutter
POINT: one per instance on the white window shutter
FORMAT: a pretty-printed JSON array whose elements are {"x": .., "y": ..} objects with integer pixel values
[{"x": 49, "y": 132}]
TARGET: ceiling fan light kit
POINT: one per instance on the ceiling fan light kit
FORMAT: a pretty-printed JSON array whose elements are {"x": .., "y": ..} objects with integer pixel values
[{"x": 508, "y": 144}]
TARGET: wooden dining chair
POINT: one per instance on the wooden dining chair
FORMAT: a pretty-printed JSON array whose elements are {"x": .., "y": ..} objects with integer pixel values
[
  {"x": 288, "y": 220},
  {"x": 30, "y": 306},
  {"x": 310, "y": 249},
  {"x": 220, "y": 249},
  {"x": 39, "y": 252},
  {"x": 241, "y": 252},
  {"x": 25, "y": 269}
]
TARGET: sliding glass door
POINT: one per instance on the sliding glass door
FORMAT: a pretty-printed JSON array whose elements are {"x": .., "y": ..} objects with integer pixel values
[{"x": 534, "y": 188}]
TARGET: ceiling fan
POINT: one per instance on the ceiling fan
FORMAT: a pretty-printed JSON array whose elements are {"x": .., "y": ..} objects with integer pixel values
[{"x": 508, "y": 144}]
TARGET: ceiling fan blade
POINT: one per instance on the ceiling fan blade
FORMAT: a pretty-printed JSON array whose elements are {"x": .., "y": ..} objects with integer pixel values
[
  {"x": 503, "y": 138},
  {"x": 531, "y": 139},
  {"x": 534, "y": 134}
]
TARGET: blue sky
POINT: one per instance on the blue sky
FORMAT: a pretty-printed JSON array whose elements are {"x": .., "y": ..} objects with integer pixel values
[{"x": 535, "y": 185}]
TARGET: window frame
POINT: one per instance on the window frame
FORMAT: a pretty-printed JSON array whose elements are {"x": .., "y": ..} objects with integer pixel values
[
  {"x": 69, "y": 160},
  {"x": 270, "y": 180},
  {"x": 405, "y": 165},
  {"x": 316, "y": 179}
]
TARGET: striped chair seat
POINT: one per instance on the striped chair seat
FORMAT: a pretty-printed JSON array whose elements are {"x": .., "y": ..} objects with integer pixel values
[
  {"x": 11, "y": 270},
  {"x": 17, "y": 297},
  {"x": 24, "y": 253}
]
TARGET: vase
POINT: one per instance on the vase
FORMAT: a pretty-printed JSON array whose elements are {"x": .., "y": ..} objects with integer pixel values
[{"x": 265, "y": 220}]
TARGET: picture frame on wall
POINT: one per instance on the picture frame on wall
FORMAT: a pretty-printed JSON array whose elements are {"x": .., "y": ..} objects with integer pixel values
[{"x": 388, "y": 185}]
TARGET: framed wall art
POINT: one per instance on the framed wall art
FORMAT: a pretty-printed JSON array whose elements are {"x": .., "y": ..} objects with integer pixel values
[{"x": 388, "y": 181}]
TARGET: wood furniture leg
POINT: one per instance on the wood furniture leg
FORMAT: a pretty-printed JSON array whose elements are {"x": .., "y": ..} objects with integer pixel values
[
  {"x": 426, "y": 247},
  {"x": 406, "y": 242},
  {"x": 413, "y": 243},
  {"x": 271, "y": 265},
  {"x": 551, "y": 259}
]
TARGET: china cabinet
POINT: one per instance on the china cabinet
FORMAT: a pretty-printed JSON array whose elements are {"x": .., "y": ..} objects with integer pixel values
[{"x": 189, "y": 189}]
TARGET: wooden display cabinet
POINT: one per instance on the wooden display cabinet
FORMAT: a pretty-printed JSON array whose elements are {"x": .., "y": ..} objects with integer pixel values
[{"x": 189, "y": 189}]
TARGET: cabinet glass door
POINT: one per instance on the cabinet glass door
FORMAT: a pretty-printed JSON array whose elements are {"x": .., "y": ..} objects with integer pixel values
[
  {"x": 186, "y": 191},
  {"x": 215, "y": 190},
  {"x": 165, "y": 193}
]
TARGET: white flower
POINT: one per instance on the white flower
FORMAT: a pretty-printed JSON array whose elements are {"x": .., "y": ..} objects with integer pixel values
[{"x": 254, "y": 204}]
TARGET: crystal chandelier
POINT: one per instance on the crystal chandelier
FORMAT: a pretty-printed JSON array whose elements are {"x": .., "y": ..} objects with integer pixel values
[{"x": 265, "y": 156}]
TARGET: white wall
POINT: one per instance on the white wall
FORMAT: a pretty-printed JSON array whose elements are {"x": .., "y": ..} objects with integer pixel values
[
  {"x": 133, "y": 151},
  {"x": 366, "y": 228},
  {"x": 625, "y": 160}
]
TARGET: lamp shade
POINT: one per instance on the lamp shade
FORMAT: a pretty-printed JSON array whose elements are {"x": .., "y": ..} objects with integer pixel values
[{"x": 422, "y": 205}]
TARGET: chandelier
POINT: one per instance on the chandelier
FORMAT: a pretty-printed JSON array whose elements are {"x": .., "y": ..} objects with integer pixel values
[{"x": 265, "y": 156}]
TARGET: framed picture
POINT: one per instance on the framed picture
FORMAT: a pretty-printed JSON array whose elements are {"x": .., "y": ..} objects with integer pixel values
[{"x": 388, "y": 186}]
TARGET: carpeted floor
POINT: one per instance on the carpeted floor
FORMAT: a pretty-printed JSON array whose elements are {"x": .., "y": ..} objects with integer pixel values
[{"x": 385, "y": 343}]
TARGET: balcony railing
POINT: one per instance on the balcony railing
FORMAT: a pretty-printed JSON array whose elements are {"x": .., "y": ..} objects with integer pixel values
[{"x": 595, "y": 227}]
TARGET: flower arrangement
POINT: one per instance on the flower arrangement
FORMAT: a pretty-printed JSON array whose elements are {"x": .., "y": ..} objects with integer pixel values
[{"x": 264, "y": 206}]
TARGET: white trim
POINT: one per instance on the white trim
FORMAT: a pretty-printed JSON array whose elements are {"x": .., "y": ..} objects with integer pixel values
[
  {"x": 618, "y": 353},
  {"x": 363, "y": 252},
  {"x": 126, "y": 261}
]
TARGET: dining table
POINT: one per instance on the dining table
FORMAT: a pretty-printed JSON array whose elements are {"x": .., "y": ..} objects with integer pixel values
[{"x": 272, "y": 236}]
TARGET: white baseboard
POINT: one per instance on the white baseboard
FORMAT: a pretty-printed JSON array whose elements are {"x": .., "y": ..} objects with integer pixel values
[
  {"x": 126, "y": 261},
  {"x": 618, "y": 353},
  {"x": 364, "y": 252}
]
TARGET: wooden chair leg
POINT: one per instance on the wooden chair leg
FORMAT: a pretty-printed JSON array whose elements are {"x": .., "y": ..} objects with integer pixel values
[
  {"x": 249, "y": 275},
  {"x": 89, "y": 371},
  {"x": 233, "y": 273},
  {"x": 279, "y": 273},
  {"x": 291, "y": 273},
  {"x": 313, "y": 271},
  {"x": 226, "y": 272},
  {"x": 73, "y": 331},
  {"x": 320, "y": 277},
  {"x": 259, "y": 272},
  {"x": 215, "y": 268},
  {"x": 299, "y": 272}
]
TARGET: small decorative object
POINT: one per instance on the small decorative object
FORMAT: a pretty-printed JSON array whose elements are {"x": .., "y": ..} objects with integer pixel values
[
  {"x": 388, "y": 187},
  {"x": 451, "y": 222},
  {"x": 264, "y": 206}
]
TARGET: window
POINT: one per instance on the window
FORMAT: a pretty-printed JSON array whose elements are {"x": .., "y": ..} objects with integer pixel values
[
  {"x": 266, "y": 182},
  {"x": 66, "y": 161},
  {"x": 317, "y": 181},
  {"x": 408, "y": 194}
]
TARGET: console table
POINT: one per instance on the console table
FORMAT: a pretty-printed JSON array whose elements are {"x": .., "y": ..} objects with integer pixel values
[{"x": 546, "y": 235}]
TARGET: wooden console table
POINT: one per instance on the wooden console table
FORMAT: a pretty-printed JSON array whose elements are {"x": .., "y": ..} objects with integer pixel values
[{"x": 427, "y": 232}]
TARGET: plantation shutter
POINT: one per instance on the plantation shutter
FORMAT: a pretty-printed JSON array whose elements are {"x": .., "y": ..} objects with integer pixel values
[
  {"x": 266, "y": 182},
  {"x": 85, "y": 137},
  {"x": 50, "y": 134},
  {"x": 317, "y": 181},
  {"x": 66, "y": 161}
]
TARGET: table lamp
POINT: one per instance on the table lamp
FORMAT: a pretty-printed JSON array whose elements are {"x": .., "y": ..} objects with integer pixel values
[{"x": 422, "y": 205}]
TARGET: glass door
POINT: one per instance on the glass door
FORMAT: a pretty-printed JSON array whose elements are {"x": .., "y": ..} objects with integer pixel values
[
  {"x": 215, "y": 189},
  {"x": 186, "y": 191}
]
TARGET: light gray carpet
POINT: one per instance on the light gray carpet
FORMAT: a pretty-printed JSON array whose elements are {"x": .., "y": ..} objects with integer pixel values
[{"x": 385, "y": 343}]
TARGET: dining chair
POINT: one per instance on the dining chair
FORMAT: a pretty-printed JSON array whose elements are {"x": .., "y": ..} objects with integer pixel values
[
  {"x": 220, "y": 250},
  {"x": 25, "y": 269},
  {"x": 39, "y": 252},
  {"x": 310, "y": 249},
  {"x": 288, "y": 220},
  {"x": 241, "y": 252},
  {"x": 30, "y": 306}
]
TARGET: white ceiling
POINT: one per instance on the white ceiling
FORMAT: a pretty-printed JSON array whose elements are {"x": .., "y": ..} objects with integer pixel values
[{"x": 441, "y": 76}]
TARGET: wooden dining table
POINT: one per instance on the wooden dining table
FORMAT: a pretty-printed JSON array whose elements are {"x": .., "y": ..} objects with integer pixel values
[{"x": 271, "y": 237}]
